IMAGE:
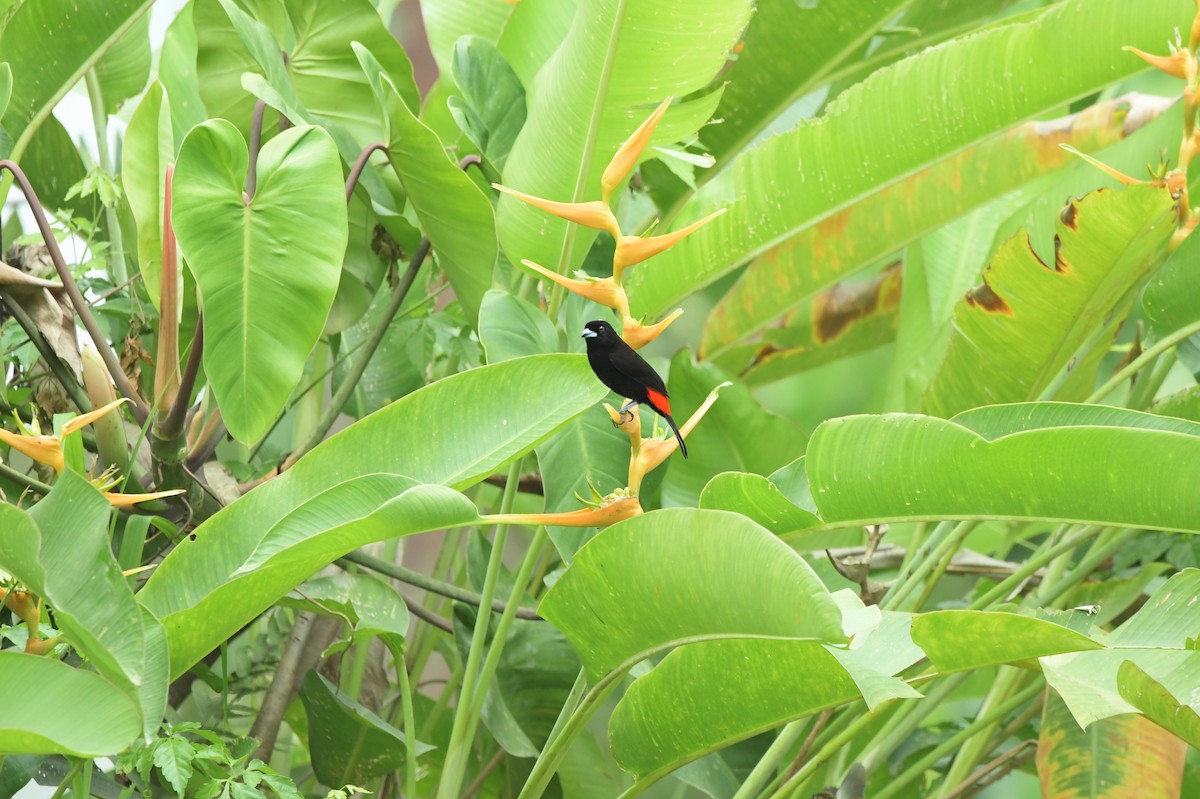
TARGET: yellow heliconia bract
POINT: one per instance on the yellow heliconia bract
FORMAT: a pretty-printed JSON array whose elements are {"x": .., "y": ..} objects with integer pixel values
[
  {"x": 635, "y": 249},
  {"x": 626, "y": 157},
  {"x": 48, "y": 449},
  {"x": 609, "y": 512},
  {"x": 638, "y": 335},
  {"x": 594, "y": 214},
  {"x": 1174, "y": 64},
  {"x": 600, "y": 290},
  {"x": 123, "y": 500}
]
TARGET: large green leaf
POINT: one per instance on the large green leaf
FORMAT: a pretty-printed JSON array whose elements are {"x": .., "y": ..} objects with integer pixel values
[
  {"x": 491, "y": 108},
  {"x": 510, "y": 327},
  {"x": 50, "y": 45},
  {"x": 349, "y": 744},
  {"x": 680, "y": 576},
  {"x": 124, "y": 70},
  {"x": 454, "y": 213},
  {"x": 1159, "y": 640},
  {"x": 708, "y": 695},
  {"x": 1015, "y": 332},
  {"x": 769, "y": 205},
  {"x": 447, "y": 21},
  {"x": 1118, "y": 757},
  {"x": 50, "y": 707},
  {"x": 149, "y": 148},
  {"x": 452, "y": 432},
  {"x": 758, "y": 498},
  {"x": 315, "y": 36},
  {"x": 737, "y": 433},
  {"x": 1167, "y": 295},
  {"x": 1053, "y": 461},
  {"x": 264, "y": 302},
  {"x": 1158, "y": 703},
  {"x": 970, "y": 639},
  {"x": 616, "y": 62},
  {"x": 177, "y": 73}
]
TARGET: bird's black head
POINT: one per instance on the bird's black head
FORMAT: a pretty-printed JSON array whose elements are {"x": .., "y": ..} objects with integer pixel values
[{"x": 599, "y": 332}]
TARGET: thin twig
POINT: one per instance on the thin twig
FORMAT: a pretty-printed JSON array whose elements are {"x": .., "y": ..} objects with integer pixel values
[
  {"x": 805, "y": 747},
  {"x": 427, "y": 616},
  {"x": 172, "y": 426},
  {"x": 486, "y": 772},
  {"x": 1005, "y": 762},
  {"x": 60, "y": 369},
  {"x": 256, "y": 124},
  {"x": 359, "y": 165},
  {"x": 138, "y": 405},
  {"x": 350, "y": 382},
  {"x": 279, "y": 694},
  {"x": 430, "y": 584}
]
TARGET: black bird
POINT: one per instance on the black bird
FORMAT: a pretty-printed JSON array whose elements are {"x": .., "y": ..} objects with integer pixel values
[{"x": 625, "y": 372}]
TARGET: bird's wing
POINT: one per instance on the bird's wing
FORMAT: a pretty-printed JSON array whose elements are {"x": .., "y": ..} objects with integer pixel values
[{"x": 629, "y": 363}]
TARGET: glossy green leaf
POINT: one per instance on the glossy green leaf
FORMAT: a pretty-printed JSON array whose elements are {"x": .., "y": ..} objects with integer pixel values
[
  {"x": 372, "y": 606},
  {"x": 1165, "y": 300},
  {"x": 265, "y": 304},
  {"x": 510, "y": 327},
  {"x": 1158, "y": 639},
  {"x": 346, "y": 492},
  {"x": 708, "y": 695},
  {"x": 756, "y": 497},
  {"x": 447, "y": 21},
  {"x": 53, "y": 164},
  {"x": 768, "y": 205},
  {"x": 1052, "y": 461},
  {"x": 124, "y": 70},
  {"x": 1118, "y": 757},
  {"x": 775, "y": 67},
  {"x": 5, "y": 87},
  {"x": 453, "y": 212},
  {"x": 679, "y": 576},
  {"x": 1183, "y": 404},
  {"x": 1158, "y": 703},
  {"x": 363, "y": 271},
  {"x": 955, "y": 640},
  {"x": 491, "y": 107},
  {"x": 532, "y": 33},
  {"x": 737, "y": 433},
  {"x": 51, "y": 45},
  {"x": 396, "y": 369},
  {"x": 609, "y": 72},
  {"x": 177, "y": 73},
  {"x": 349, "y": 744},
  {"x": 149, "y": 148},
  {"x": 1029, "y": 318},
  {"x": 53, "y": 708},
  {"x": 319, "y": 63}
]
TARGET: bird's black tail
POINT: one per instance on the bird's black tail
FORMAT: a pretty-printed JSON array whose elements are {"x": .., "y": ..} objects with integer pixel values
[{"x": 682, "y": 446}]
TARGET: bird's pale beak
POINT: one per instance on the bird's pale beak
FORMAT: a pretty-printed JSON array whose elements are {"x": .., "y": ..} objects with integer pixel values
[{"x": 587, "y": 333}]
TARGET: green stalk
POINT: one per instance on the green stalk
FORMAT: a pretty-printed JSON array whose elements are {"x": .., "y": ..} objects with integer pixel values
[
  {"x": 771, "y": 759},
  {"x": 410, "y": 724},
  {"x": 1008, "y": 678},
  {"x": 1147, "y": 357},
  {"x": 849, "y": 714},
  {"x": 1101, "y": 551},
  {"x": 914, "y": 771},
  {"x": 944, "y": 539},
  {"x": 906, "y": 719},
  {"x": 1144, "y": 390},
  {"x": 459, "y": 748},
  {"x": 556, "y": 748},
  {"x": 1031, "y": 565},
  {"x": 100, "y": 121},
  {"x": 831, "y": 747}
]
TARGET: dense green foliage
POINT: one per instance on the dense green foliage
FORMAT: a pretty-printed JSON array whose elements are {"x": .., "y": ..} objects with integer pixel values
[{"x": 361, "y": 523}]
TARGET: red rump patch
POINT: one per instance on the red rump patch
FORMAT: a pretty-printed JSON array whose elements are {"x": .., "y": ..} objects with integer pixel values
[{"x": 659, "y": 401}]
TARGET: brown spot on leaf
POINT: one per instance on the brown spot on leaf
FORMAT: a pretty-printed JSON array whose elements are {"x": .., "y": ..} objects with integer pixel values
[
  {"x": 985, "y": 299},
  {"x": 836, "y": 309},
  {"x": 1060, "y": 264},
  {"x": 1068, "y": 216}
]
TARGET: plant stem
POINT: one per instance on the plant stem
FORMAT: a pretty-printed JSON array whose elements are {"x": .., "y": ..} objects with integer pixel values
[
  {"x": 410, "y": 724},
  {"x": 359, "y": 165},
  {"x": 947, "y": 746},
  {"x": 100, "y": 121},
  {"x": 908, "y": 715},
  {"x": 556, "y": 748},
  {"x": 430, "y": 584},
  {"x": 10, "y": 473},
  {"x": 1100, "y": 552},
  {"x": 462, "y": 733},
  {"x": 831, "y": 747},
  {"x": 771, "y": 759},
  {"x": 60, "y": 370},
  {"x": 127, "y": 389},
  {"x": 944, "y": 539},
  {"x": 334, "y": 409},
  {"x": 1144, "y": 391},
  {"x": 1035, "y": 562},
  {"x": 1008, "y": 679},
  {"x": 1138, "y": 363}
]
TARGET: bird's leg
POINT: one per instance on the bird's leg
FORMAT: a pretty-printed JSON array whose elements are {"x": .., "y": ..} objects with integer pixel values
[{"x": 627, "y": 409}]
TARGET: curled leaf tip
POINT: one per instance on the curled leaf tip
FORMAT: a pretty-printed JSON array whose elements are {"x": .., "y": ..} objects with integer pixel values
[
  {"x": 594, "y": 214},
  {"x": 634, "y": 249},
  {"x": 627, "y": 154}
]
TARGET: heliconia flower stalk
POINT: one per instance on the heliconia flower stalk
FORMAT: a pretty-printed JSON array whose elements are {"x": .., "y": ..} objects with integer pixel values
[
  {"x": 616, "y": 510},
  {"x": 638, "y": 335},
  {"x": 1174, "y": 64},
  {"x": 594, "y": 214},
  {"x": 635, "y": 249},
  {"x": 626, "y": 157},
  {"x": 647, "y": 454},
  {"x": 601, "y": 290},
  {"x": 110, "y": 432}
]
